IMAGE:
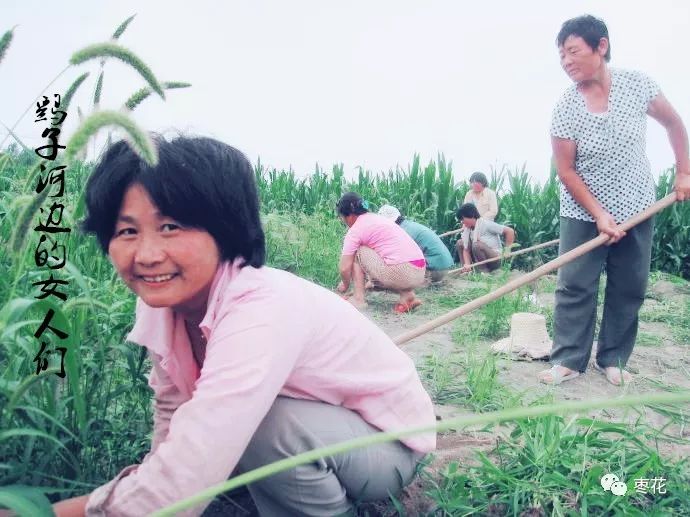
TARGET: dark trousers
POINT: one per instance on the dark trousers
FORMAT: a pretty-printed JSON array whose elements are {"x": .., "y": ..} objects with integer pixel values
[
  {"x": 627, "y": 271},
  {"x": 480, "y": 252}
]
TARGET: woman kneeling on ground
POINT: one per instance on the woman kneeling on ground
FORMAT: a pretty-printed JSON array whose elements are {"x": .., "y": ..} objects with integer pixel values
[
  {"x": 250, "y": 364},
  {"x": 378, "y": 248},
  {"x": 481, "y": 239},
  {"x": 438, "y": 258}
]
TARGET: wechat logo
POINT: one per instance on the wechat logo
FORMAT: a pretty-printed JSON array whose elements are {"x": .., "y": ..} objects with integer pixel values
[{"x": 611, "y": 483}]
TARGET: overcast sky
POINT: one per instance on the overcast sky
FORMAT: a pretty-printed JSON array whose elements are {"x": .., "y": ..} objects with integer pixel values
[{"x": 360, "y": 83}]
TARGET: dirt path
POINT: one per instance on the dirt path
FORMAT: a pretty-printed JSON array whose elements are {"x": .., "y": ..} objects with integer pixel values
[
  {"x": 665, "y": 360},
  {"x": 660, "y": 362}
]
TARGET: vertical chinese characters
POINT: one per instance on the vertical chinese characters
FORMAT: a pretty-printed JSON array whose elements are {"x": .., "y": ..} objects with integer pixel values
[{"x": 50, "y": 253}]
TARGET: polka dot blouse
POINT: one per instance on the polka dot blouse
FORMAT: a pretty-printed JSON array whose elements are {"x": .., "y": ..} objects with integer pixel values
[{"x": 610, "y": 156}]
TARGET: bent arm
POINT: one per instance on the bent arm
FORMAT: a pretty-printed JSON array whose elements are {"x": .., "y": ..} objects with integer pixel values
[
  {"x": 345, "y": 267},
  {"x": 73, "y": 507},
  {"x": 509, "y": 236},
  {"x": 564, "y": 156},
  {"x": 167, "y": 398},
  {"x": 237, "y": 387},
  {"x": 466, "y": 256},
  {"x": 662, "y": 111}
]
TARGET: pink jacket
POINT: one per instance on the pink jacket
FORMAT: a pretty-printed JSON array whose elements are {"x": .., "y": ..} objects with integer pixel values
[
  {"x": 268, "y": 332},
  {"x": 387, "y": 239}
]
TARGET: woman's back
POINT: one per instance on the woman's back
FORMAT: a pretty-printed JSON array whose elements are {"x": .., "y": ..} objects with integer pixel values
[{"x": 385, "y": 237}]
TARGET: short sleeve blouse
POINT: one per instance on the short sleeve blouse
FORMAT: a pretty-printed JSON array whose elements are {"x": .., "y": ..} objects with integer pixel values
[{"x": 610, "y": 156}]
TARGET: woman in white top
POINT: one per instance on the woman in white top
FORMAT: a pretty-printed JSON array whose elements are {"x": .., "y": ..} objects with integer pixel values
[
  {"x": 598, "y": 138},
  {"x": 482, "y": 196}
]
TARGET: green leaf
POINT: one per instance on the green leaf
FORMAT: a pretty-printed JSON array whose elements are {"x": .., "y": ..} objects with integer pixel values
[{"x": 25, "y": 501}]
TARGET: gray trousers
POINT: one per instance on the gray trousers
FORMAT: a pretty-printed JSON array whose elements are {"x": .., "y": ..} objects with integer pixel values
[
  {"x": 480, "y": 252},
  {"x": 327, "y": 486},
  {"x": 627, "y": 271},
  {"x": 436, "y": 275}
]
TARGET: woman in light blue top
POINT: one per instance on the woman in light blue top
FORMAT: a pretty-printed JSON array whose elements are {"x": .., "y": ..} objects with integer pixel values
[{"x": 438, "y": 258}]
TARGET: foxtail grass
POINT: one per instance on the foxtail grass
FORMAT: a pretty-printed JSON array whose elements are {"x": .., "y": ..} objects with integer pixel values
[
  {"x": 24, "y": 221},
  {"x": 140, "y": 141},
  {"x": 108, "y": 49},
  {"x": 5, "y": 42},
  {"x": 97, "y": 91},
  {"x": 140, "y": 95},
  {"x": 66, "y": 99},
  {"x": 122, "y": 27}
]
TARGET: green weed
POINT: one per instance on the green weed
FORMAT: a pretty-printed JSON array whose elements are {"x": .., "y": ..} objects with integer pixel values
[{"x": 553, "y": 466}]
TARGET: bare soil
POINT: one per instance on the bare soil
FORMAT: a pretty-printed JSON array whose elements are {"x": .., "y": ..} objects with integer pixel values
[{"x": 660, "y": 362}]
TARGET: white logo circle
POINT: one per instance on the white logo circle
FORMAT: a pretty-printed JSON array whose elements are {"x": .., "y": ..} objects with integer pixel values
[
  {"x": 618, "y": 488},
  {"x": 607, "y": 480}
]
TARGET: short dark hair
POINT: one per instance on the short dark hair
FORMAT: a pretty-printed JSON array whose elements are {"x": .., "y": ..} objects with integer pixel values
[
  {"x": 351, "y": 203},
  {"x": 479, "y": 177},
  {"x": 200, "y": 182},
  {"x": 589, "y": 28},
  {"x": 468, "y": 210}
]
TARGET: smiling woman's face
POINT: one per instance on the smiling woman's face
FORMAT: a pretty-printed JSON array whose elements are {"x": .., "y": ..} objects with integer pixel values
[
  {"x": 579, "y": 61},
  {"x": 163, "y": 262}
]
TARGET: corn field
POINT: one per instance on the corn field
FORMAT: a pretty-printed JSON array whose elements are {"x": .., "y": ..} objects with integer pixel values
[{"x": 431, "y": 194}]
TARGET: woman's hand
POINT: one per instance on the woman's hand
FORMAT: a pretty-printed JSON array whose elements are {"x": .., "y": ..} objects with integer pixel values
[
  {"x": 342, "y": 288},
  {"x": 73, "y": 507},
  {"x": 607, "y": 224},
  {"x": 682, "y": 186},
  {"x": 466, "y": 269}
]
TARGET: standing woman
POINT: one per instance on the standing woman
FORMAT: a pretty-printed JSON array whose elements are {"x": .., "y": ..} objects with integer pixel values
[
  {"x": 378, "y": 248},
  {"x": 482, "y": 196},
  {"x": 250, "y": 364},
  {"x": 598, "y": 138}
]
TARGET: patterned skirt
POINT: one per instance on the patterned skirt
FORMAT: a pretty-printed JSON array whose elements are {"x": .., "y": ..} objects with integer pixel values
[{"x": 398, "y": 277}]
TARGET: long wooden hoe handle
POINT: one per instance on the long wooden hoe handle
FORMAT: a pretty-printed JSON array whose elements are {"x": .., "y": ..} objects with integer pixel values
[
  {"x": 509, "y": 255},
  {"x": 452, "y": 232},
  {"x": 532, "y": 276}
]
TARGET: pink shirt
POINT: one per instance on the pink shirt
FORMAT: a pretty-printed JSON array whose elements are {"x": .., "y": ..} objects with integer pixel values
[
  {"x": 386, "y": 238},
  {"x": 268, "y": 332}
]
